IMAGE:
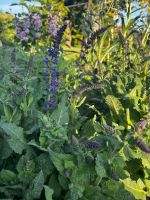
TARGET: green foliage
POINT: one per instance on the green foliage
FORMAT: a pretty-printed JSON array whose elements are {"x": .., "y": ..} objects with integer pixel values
[
  {"x": 16, "y": 139},
  {"x": 48, "y": 192},
  {"x": 84, "y": 148},
  {"x": 113, "y": 103},
  {"x": 7, "y": 33}
]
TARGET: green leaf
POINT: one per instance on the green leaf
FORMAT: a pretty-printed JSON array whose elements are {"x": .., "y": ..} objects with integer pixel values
[
  {"x": 97, "y": 126},
  {"x": 64, "y": 182},
  {"x": 94, "y": 193},
  {"x": 114, "y": 104},
  {"x": 34, "y": 144},
  {"x": 116, "y": 191},
  {"x": 55, "y": 186},
  {"x": 136, "y": 188},
  {"x": 45, "y": 164},
  {"x": 76, "y": 191},
  {"x": 5, "y": 150},
  {"x": 26, "y": 169},
  {"x": 60, "y": 159},
  {"x": 38, "y": 183},
  {"x": 120, "y": 86},
  {"x": 147, "y": 183},
  {"x": 146, "y": 162},
  {"x": 7, "y": 177},
  {"x": 16, "y": 138},
  {"x": 60, "y": 115},
  {"x": 100, "y": 169},
  {"x": 48, "y": 192},
  {"x": 80, "y": 176}
]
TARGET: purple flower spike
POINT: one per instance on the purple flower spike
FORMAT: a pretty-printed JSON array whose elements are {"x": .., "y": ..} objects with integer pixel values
[
  {"x": 46, "y": 60},
  {"x": 81, "y": 76},
  {"x": 37, "y": 22},
  {"x": 45, "y": 73},
  {"x": 53, "y": 53},
  {"x": 52, "y": 27}
]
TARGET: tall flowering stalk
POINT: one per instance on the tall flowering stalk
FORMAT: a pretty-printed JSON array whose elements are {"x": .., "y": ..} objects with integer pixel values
[
  {"x": 86, "y": 45},
  {"x": 52, "y": 27},
  {"x": 51, "y": 62}
]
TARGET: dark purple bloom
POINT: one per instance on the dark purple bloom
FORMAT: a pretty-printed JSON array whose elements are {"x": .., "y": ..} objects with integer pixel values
[
  {"x": 87, "y": 45},
  {"x": 52, "y": 101},
  {"x": 53, "y": 53},
  {"x": 19, "y": 92},
  {"x": 53, "y": 90},
  {"x": 93, "y": 145},
  {"x": 45, "y": 73},
  {"x": 89, "y": 159},
  {"x": 96, "y": 34},
  {"x": 47, "y": 61},
  {"x": 141, "y": 125},
  {"x": 142, "y": 145},
  {"x": 114, "y": 176},
  {"x": 81, "y": 76},
  {"x": 59, "y": 36}
]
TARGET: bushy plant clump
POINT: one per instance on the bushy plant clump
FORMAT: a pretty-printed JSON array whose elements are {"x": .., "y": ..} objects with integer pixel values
[{"x": 76, "y": 127}]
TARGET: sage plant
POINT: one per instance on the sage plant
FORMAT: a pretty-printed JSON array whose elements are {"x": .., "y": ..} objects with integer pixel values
[{"x": 51, "y": 62}]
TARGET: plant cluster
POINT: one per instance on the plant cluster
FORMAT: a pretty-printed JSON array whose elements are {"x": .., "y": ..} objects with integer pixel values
[{"x": 77, "y": 127}]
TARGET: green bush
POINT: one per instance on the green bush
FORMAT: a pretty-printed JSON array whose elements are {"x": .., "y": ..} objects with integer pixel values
[{"x": 91, "y": 141}]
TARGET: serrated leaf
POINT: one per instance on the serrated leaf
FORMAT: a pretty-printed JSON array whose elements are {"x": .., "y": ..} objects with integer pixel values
[
  {"x": 48, "y": 192},
  {"x": 136, "y": 188},
  {"x": 94, "y": 193},
  {"x": 97, "y": 126},
  {"x": 16, "y": 138},
  {"x": 80, "y": 176},
  {"x": 59, "y": 160},
  {"x": 60, "y": 115},
  {"x": 120, "y": 85},
  {"x": 146, "y": 163},
  {"x": 100, "y": 169},
  {"x": 116, "y": 191},
  {"x": 38, "y": 183},
  {"x": 147, "y": 183},
  {"x": 114, "y": 104},
  {"x": 76, "y": 191}
]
